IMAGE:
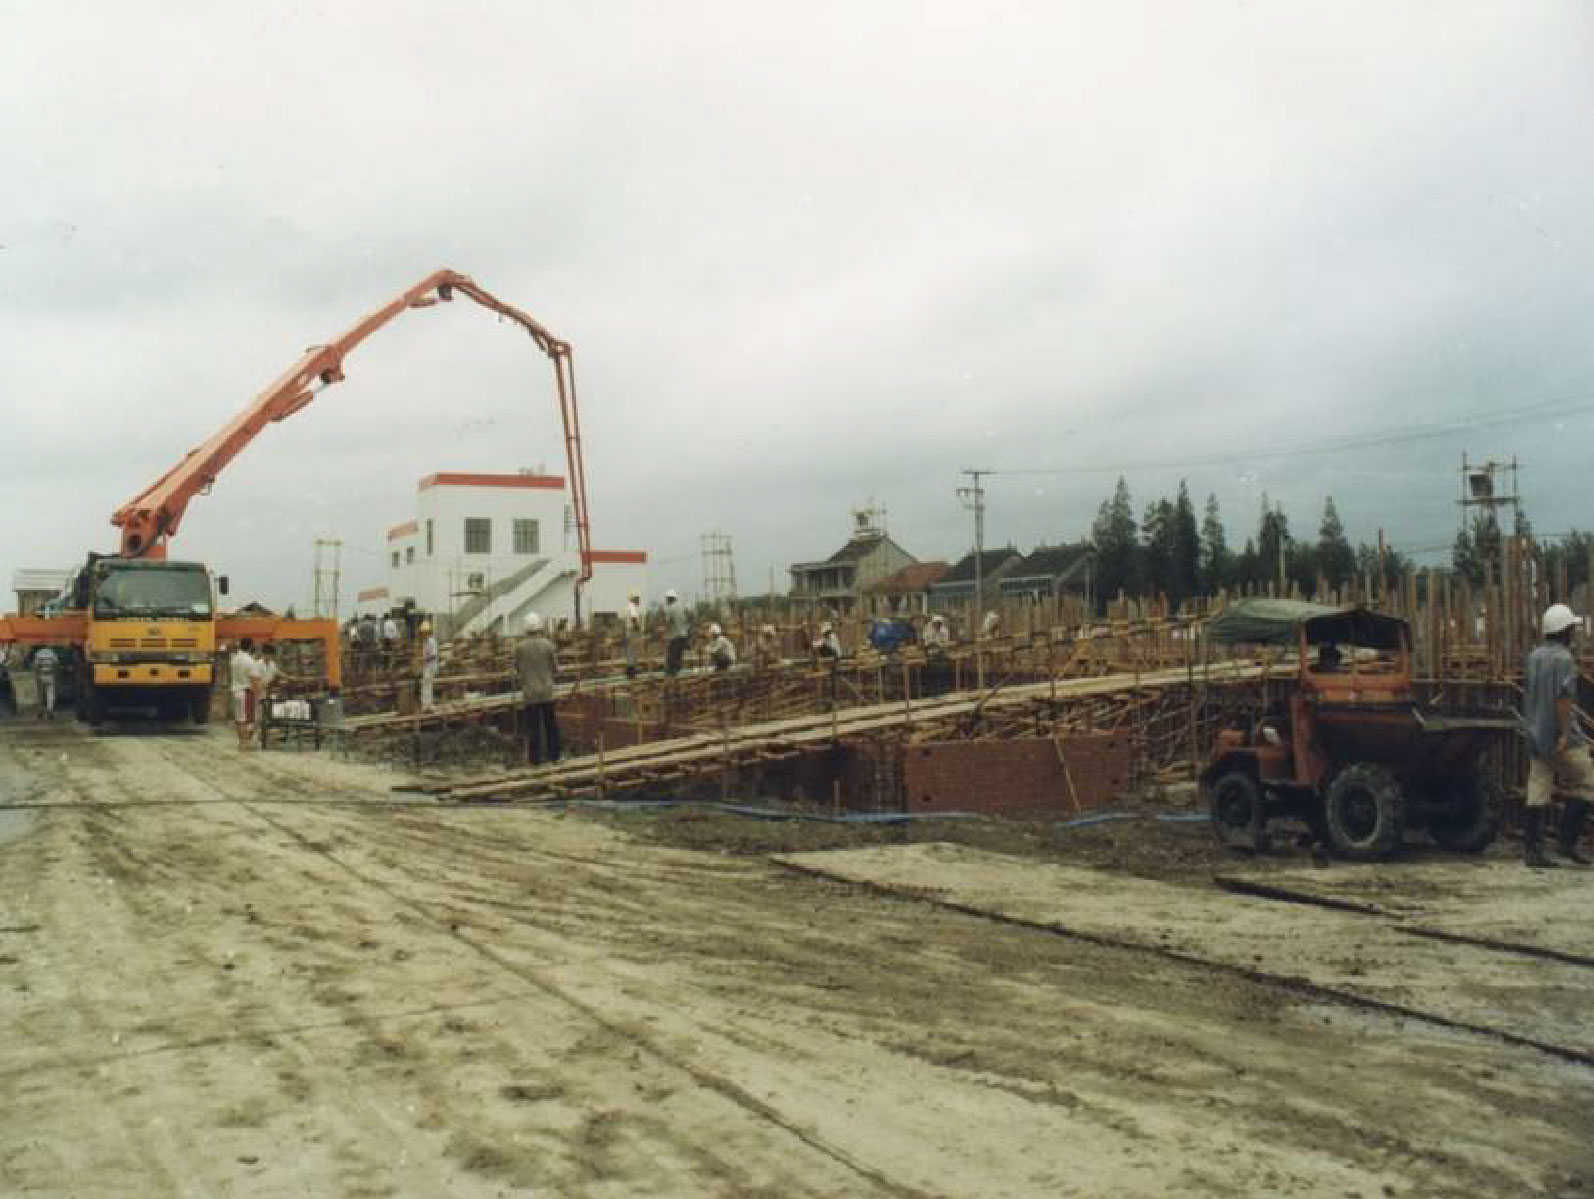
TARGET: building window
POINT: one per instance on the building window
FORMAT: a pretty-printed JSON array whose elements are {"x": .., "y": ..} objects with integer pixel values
[
  {"x": 478, "y": 535},
  {"x": 409, "y": 555},
  {"x": 428, "y": 537},
  {"x": 395, "y": 558},
  {"x": 525, "y": 536}
]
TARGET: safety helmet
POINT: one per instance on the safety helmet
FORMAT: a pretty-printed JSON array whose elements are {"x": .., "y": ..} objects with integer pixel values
[
  {"x": 670, "y": 595},
  {"x": 714, "y": 630},
  {"x": 533, "y": 623},
  {"x": 827, "y": 627},
  {"x": 426, "y": 626},
  {"x": 937, "y": 619},
  {"x": 635, "y": 595},
  {"x": 1557, "y": 619},
  {"x": 768, "y": 630}
]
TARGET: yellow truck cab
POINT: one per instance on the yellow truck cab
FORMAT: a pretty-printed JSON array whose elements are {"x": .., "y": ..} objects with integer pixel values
[{"x": 150, "y": 640}]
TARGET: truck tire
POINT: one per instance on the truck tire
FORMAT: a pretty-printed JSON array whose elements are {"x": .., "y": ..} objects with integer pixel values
[
  {"x": 1364, "y": 811},
  {"x": 1470, "y": 819},
  {"x": 1236, "y": 805}
]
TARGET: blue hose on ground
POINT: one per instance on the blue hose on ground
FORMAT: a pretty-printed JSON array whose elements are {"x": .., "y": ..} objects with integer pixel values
[
  {"x": 757, "y": 813},
  {"x": 1160, "y": 817}
]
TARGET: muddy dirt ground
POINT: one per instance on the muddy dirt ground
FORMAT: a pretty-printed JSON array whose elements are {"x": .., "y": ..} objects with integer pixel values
[{"x": 271, "y": 974}]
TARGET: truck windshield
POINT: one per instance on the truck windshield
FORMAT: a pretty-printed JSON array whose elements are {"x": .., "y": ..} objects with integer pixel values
[{"x": 153, "y": 591}]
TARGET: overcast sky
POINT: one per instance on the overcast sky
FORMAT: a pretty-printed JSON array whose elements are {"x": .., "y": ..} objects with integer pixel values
[{"x": 807, "y": 255}]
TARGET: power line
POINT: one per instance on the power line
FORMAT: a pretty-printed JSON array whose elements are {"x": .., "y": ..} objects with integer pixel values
[{"x": 1400, "y": 435}]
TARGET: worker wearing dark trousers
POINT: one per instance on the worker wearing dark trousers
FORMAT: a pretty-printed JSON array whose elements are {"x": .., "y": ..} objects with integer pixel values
[
  {"x": 678, "y": 630},
  {"x": 1559, "y": 752},
  {"x": 536, "y": 664}
]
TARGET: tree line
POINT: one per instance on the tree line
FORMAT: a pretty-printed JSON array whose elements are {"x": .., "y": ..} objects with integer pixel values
[{"x": 1168, "y": 551}]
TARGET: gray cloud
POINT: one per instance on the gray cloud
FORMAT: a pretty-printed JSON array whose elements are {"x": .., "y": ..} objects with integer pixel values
[{"x": 804, "y": 262}]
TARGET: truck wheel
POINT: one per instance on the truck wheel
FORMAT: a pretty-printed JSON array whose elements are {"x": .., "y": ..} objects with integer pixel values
[
  {"x": 1470, "y": 819},
  {"x": 1235, "y": 802},
  {"x": 1365, "y": 812}
]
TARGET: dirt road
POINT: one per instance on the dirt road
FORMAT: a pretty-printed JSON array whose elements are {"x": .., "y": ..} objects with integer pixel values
[{"x": 241, "y": 975}]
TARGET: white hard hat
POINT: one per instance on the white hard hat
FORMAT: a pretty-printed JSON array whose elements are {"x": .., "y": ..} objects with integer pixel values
[
  {"x": 714, "y": 630},
  {"x": 635, "y": 594},
  {"x": 426, "y": 626},
  {"x": 1558, "y": 618},
  {"x": 936, "y": 619},
  {"x": 768, "y": 630},
  {"x": 827, "y": 627},
  {"x": 670, "y": 594},
  {"x": 533, "y": 623}
]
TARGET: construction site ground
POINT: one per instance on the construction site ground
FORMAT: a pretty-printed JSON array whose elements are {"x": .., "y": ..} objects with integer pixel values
[{"x": 247, "y": 974}]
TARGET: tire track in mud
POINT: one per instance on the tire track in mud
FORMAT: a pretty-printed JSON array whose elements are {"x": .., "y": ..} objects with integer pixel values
[{"x": 730, "y": 1091}]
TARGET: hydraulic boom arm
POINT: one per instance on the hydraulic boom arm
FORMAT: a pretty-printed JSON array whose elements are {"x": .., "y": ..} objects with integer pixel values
[{"x": 154, "y": 514}]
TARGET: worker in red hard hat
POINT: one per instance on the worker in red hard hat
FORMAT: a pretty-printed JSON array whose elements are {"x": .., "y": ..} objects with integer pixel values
[{"x": 1559, "y": 752}]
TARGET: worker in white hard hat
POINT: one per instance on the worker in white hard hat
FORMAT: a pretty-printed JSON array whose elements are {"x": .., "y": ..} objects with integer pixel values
[
  {"x": 721, "y": 653},
  {"x": 678, "y": 631},
  {"x": 991, "y": 626},
  {"x": 632, "y": 632},
  {"x": 936, "y": 634},
  {"x": 827, "y": 644},
  {"x": 1559, "y": 752},
  {"x": 429, "y": 661},
  {"x": 766, "y": 648},
  {"x": 536, "y": 667}
]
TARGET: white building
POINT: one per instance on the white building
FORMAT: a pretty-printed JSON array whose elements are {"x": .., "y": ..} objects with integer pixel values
[{"x": 484, "y": 550}]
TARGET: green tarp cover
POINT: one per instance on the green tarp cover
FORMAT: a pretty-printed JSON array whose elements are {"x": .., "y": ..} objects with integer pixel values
[{"x": 1258, "y": 620}]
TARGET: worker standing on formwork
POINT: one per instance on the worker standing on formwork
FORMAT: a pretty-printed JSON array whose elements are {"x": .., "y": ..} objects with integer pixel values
[
  {"x": 633, "y": 633},
  {"x": 766, "y": 649},
  {"x": 991, "y": 626},
  {"x": 429, "y": 658},
  {"x": 536, "y": 666},
  {"x": 45, "y": 666},
  {"x": 1559, "y": 751},
  {"x": 678, "y": 630}
]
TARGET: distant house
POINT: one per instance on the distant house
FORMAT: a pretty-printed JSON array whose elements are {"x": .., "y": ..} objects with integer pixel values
[
  {"x": 957, "y": 586},
  {"x": 36, "y": 587},
  {"x": 905, "y": 592},
  {"x": 1050, "y": 571},
  {"x": 838, "y": 582}
]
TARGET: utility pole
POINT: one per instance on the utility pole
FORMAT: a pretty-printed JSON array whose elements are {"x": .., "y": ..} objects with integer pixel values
[
  {"x": 973, "y": 497},
  {"x": 328, "y": 563}
]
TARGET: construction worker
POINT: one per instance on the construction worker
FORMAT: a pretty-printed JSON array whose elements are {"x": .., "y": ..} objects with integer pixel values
[
  {"x": 266, "y": 674},
  {"x": 429, "y": 659},
  {"x": 45, "y": 666},
  {"x": 8, "y": 695},
  {"x": 937, "y": 637},
  {"x": 242, "y": 670},
  {"x": 1559, "y": 752},
  {"x": 721, "y": 653},
  {"x": 536, "y": 665},
  {"x": 991, "y": 626},
  {"x": 766, "y": 649},
  {"x": 390, "y": 636},
  {"x": 633, "y": 633},
  {"x": 678, "y": 630},
  {"x": 827, "y": 645}
]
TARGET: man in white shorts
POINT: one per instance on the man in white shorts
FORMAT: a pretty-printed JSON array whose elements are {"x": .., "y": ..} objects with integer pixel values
[{"x": 242, "y": 670}]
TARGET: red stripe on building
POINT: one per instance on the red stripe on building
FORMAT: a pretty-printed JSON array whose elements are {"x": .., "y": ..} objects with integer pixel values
[
  {"x": 618, "y": 556},
  {"x": 408, "y": 529},
  {"x": 461, "y": 479}
]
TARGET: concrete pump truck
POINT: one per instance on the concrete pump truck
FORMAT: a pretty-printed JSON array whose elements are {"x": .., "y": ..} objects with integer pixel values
[{"x": 141, "y": 631}]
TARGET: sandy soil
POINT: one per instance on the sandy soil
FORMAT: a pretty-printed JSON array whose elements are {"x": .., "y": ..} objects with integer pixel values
[{"x": 228, "y": 974}]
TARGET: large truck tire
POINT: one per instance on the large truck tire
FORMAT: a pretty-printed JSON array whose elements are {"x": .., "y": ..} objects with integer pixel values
[
  {"x": 1470, "y": 818},
  {"x": 1235, "y": 802},
  {"x": 1364, "y": 811}
]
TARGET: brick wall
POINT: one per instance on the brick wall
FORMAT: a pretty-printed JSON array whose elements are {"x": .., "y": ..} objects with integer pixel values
[{"x": 1026, "y": 776}]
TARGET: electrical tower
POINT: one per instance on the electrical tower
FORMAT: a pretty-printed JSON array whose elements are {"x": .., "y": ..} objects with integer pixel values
[
  {"x": 328, "y": 573},
  {"x": 973, "y": 498},
  {"x": 719, "y": 569}
]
